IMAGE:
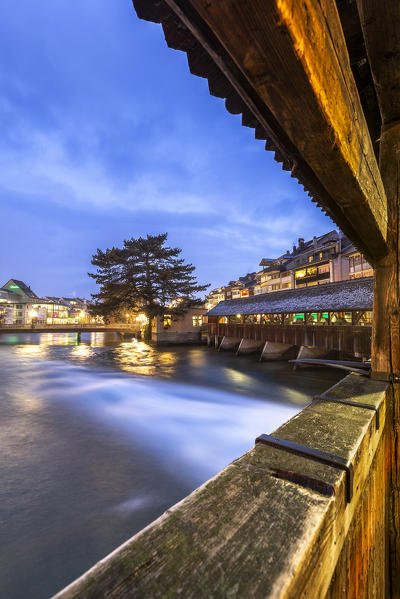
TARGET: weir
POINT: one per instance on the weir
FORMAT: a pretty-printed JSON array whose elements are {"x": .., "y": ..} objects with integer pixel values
[{"x": 319, "y": 81}]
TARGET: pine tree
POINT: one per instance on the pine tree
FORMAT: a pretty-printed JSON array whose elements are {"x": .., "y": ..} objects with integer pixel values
[{"x": 143, "y": 276}]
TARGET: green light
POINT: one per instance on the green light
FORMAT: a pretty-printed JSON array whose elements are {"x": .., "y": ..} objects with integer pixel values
[
  {"x": 14, "y": 286},
  {"x": 298, "y": 316},
  {"x": 325, "y": 315}
]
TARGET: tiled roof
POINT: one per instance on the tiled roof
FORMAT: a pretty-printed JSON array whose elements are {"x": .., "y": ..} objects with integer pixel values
[{"x": 344, "y": 295}]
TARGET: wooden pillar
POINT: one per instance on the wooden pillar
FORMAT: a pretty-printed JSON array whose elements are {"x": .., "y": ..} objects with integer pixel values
[{"x": 385, "y": 333}]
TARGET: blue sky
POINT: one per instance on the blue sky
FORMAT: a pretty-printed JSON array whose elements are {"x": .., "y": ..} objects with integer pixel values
[{"x": 106, "y": 135}]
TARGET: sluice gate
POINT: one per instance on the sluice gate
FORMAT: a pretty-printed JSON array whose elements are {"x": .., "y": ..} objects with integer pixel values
[{"x": 347, "y": 340}]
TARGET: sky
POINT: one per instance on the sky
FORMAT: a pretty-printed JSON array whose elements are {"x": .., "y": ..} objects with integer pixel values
[{"x": 105, "y": 135}]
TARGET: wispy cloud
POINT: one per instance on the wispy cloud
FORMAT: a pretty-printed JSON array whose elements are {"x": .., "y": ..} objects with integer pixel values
[{"x": 101, "y": 121}]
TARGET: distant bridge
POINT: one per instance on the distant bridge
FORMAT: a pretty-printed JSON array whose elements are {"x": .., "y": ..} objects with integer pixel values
[{"x": 70, "y": 328}]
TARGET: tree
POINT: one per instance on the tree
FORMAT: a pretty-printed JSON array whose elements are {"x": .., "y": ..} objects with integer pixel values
[{"x": 143, "y": 276}]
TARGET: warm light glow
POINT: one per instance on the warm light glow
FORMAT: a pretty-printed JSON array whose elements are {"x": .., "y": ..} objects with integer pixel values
[
  {"x": 81, "y": 314},
  {"x": 33, "y": 314},
  {"x": 127, "y": 315},
  {"x": 238, "y": 316}
]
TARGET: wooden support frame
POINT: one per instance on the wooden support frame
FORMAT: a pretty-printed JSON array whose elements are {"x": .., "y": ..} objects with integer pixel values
[{"x": 288, "y": 62}]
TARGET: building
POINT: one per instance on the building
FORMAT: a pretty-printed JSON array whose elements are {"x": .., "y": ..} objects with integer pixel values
[
  {"x": 325, "y": 259},
  {"x": 320, "y": 260},
  {"x": 19, "y": 305},
  {"x": 169, "y": 330},
  {"x": 359, "y": 267}
]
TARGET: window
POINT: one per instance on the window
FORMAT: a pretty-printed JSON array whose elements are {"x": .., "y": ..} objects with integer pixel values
[
  {"x": 300, "y": 273},
  {"x": 310, "y": 258},
  {"x": 312, "y": 271},
  {"x": 323, "y": 268},
  {"x": 320, "y": 255},
  {"x": 197, "y": 321},
  {"x": 167, "y": 321}
]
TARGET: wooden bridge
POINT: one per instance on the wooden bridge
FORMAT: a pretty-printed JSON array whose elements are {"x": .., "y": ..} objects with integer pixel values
[{"x": 313, "y": 511}]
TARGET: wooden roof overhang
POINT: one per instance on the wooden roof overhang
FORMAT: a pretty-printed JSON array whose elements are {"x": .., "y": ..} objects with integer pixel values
[
  {"x": 304, "y": 87},
  {"x": 331, "y": 297}
]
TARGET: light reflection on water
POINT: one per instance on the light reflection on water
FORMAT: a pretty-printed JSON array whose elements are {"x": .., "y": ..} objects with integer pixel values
[{"x": 98, "y": 438}]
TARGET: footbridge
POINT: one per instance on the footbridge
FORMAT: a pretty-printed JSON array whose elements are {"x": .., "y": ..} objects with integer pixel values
[
  {"x": 313, "y": 509},
  {"x": 331, "y": 320},
  {"x": 70, "y": 328}
]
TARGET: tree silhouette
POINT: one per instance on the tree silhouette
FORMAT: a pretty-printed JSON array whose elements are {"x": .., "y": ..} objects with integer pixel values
[{"x": 143, "y": 276}]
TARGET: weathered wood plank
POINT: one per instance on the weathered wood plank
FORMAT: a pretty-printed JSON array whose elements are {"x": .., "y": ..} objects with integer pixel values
[
  {"x": 380, "y": 22},
  {"x": 295, "y": 64},
  {"x": 271, "y": 524}
]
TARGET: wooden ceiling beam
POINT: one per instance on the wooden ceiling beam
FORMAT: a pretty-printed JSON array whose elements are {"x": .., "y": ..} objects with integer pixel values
[
  {"x": 289, "y": 63},
  {"x": 380, "y": 23}
]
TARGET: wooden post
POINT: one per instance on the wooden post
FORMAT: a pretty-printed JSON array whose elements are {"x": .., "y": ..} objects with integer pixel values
[{"x": 385, "y": 333}]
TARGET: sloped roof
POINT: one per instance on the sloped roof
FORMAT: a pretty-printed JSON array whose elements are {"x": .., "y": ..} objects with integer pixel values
[
  {"x": 27, "y": 290},
  {"x": 344, "y": 295}
]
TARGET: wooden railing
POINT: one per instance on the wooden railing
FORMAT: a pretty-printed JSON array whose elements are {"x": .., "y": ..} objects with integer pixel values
[{"x": 273, "y": 524}]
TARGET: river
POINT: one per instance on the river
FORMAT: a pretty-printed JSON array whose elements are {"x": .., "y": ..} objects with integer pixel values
[{"x": 97, "y": 439}]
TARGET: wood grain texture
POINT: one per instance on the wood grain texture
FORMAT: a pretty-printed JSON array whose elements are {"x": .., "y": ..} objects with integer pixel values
[
  {"x": 294, "y": 56},
  {"x": 385, "y": 336},
  {"x": 380, "y": 22},
  {"x": 271, "y": 524}
]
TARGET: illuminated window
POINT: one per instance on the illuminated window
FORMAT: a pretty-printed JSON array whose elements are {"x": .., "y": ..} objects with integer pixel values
[
  {"x": 300, "y": 273},
  {"x": 323, "y": 268},
  {"x": 310, "y": 258},
  {"x": 167, "y": 321},
  {"x": 197, "y": 321},
  {"x": 312, "y": 271}
]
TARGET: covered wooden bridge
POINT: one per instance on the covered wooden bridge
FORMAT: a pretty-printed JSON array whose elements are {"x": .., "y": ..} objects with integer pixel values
[
  {"x": 335, "y": 319},
  {"x": 314, "y": 509}
]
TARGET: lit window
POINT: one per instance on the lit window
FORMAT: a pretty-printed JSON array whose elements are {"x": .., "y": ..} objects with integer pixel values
[
  {"x": 300, "y": 273},
  {"x": 197, "y": 321},
  {"x": 323, "y": 268},
  {"x": 167, "y": 321},
  {"x": 310, "y": 258}
]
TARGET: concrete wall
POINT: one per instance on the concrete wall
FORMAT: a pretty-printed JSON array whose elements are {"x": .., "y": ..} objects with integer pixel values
[
  {"x": 176, "y": 337},
  {"x": 272, "y": 524}
]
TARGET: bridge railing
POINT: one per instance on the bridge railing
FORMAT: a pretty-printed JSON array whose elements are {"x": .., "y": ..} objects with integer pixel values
[
  {"x": 79, "y": 325},
  {"x": 274, "y": 523}
]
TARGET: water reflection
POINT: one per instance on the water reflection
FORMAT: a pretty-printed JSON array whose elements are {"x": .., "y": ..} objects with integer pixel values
[
  {"x": 98, "y": 438},
  {"x": 82, "y": 352},
  {"x": 136, "y": 356},
  {"x": 31, "y": 351}
]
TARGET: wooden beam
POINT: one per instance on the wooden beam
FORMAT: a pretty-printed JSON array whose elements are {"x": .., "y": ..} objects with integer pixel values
[
  {"x": 380, "y": 22},
  {"x": 288, "y": 61}
]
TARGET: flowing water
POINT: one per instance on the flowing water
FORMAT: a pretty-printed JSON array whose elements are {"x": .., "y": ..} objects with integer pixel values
[{"x": 97, "y": 439}]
